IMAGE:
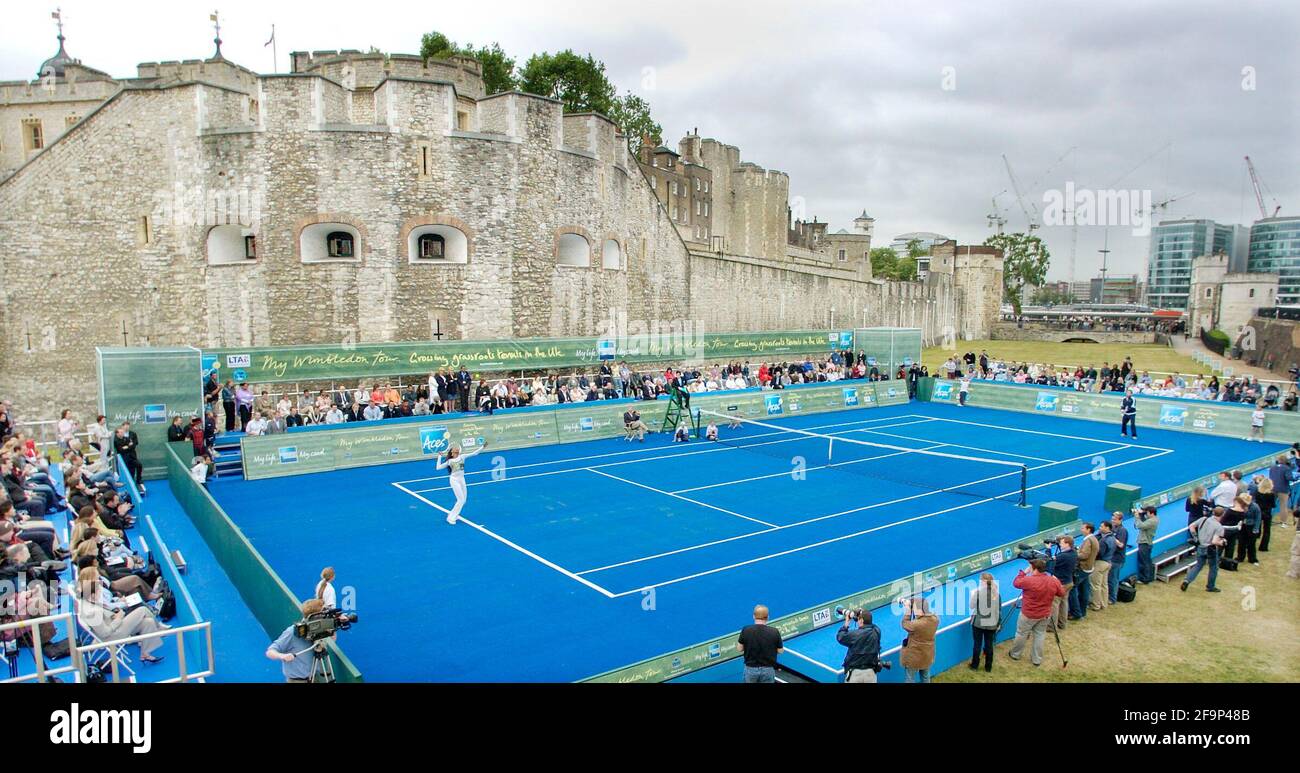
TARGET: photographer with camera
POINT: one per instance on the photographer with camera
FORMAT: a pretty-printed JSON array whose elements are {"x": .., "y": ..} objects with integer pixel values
[
  {"x": 862, "y": 661},
  {"x": 1146, "y": 522},
  {"x": 293, "y": 651},
  {"x": 1039, "y": 591},
  {"x": 922, "y": 626}
]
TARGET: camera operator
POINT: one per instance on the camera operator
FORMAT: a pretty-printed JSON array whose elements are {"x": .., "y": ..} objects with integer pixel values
[
  {"x": 1146, "y": 522},
  {"x": 1039, "y": 591},
  {"x": 862, "y": 661},
  {"x": 293, "y": 651}
]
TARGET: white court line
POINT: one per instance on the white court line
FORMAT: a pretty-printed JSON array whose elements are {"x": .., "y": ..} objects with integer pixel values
[
  {"x": 711, "y": 449},
  {"x": 508, "y": 543},
  {"x": 678, "y": 496},
  {"x": 1054, "y": 434},
  {"x": 815, "y": 662},
  {"x": 856, "y": 510},
  {"x": 959, "y": 445},
  {"x": 860, "y": 533},
  {"x": 820, "y": 518},
  {"x": 671, "y": 453},
  {"x": 785, "y": 473}
]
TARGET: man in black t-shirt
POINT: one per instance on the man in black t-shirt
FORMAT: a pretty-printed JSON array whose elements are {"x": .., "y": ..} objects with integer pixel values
[{"x": 760, "y": 643}]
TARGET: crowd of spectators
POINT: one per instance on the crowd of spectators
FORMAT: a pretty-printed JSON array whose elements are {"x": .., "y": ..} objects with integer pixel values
[
  {"x": 1089, "y": 322},
  {"x": 1122, "y": 376},
  {"x": 238, "y": 407},
  {"x": 119, "y": 592}
]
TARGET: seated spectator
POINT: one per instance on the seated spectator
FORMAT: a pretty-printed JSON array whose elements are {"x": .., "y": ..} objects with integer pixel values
[{"x": 109, "y": 625}]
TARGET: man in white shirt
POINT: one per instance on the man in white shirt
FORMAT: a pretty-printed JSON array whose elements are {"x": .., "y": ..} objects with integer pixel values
[
  {"x": 257, "y": 426},
  {"x": 1225, "y": 492},
  {"x": 373, "y": 413},
  {"x": 335, "y": 416},
  {"x": 201, "y": 469}
]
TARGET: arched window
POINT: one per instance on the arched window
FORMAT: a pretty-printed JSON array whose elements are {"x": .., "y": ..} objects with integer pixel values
[
  {"x": 573, "y": 250},
  {"x": 611, "y": 255},
  {"x": 438, "y": 243},
  {"x": 328, "y": 242},
  {"x": 229, "y": 244},
  {"x": 339, "y": 244}
]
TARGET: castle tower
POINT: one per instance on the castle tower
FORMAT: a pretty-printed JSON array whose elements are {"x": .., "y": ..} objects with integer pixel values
[{"x": 864, "y": 224}]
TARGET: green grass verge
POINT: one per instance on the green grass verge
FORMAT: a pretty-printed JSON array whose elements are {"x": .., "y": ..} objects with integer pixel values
[{"x": 1152, "y": 357}]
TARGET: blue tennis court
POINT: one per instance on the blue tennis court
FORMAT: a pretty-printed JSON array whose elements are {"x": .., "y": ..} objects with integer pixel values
[{"x": 575, "y": 559}]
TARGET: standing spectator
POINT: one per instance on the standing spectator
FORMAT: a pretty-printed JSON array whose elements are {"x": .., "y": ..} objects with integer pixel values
[
  {"x": 985, "y": 619},
  {"x": 1067, "y": 560},
  {"x": 963, "y": 389},
  {"x": 244, "y": 402},
  {"x": 67, "y": 430},
  {"x": 1039, "y": 591},
  {"x": 1210, "y": 539},
  {"x": 100, "y": 438},
  {"x": 125, "y": 445},
  {"x": 1146, "y": 522},
  {"x": 1266, "y": 498},
  {"x": 1232, "y": 521},
  {"x": 863, "y": 642},
  {"x": 228, "y": 404},
  {"x": 760, "y": 643},
  {"x": 176, "y": 432},
  {"x": 197, "y": 440},
  {"x": 1198, "y": 506},
  {"x": 1250, "y": 528},
  {"x": 922, "y": 626},
  {"x": 1118, "y": 558},
  {"x": 1280, "y": 474},
  {"x": 1081, "y": 593},
  {"x": 1101, "y": 568},
  {"x": 464, "y": 384}
]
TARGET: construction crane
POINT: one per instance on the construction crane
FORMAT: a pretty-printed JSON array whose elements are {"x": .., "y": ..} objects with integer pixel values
[
  {"x": 995, "y": 217},
  {"x": 1164, "y": 205},
  {"x": 1020, "y": 199},
  {"x": 1259, "y": 197}
]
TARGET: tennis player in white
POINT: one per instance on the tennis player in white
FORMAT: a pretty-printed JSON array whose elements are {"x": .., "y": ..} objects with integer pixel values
[{"x": 454, "y": 460}]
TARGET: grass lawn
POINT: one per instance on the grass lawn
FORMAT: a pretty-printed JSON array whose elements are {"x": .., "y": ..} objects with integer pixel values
[
  {"x": 1152, "y": 357},
  {"x": 1247, "y": 633}
]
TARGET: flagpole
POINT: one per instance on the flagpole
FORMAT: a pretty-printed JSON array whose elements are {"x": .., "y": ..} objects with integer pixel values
[{"x": 275, "y": 56}]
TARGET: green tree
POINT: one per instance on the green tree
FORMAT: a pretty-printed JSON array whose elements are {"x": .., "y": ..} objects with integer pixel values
[
  {"x": 579, "y": 82},
  {"x": 883, "y": 262},
  {"x": 1024, "y": 261},
  {"x": 632, "y": 114},
  {"x": 498, "y": 67},
  {"x": 1050, "y": 296},
  {"x": 435, "y": 45}
]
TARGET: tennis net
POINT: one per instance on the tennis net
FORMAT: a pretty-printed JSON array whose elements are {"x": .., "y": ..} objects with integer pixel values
[{"x": 922, "y": 468}]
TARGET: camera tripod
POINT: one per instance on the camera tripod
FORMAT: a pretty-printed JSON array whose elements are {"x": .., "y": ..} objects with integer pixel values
[
  {"x": 322, "y": 670},
  {"x": 1051, "y": 626}
]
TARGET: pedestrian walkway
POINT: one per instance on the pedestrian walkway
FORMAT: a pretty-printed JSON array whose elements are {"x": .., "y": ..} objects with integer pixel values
[{"x": 1191, "y": 347}]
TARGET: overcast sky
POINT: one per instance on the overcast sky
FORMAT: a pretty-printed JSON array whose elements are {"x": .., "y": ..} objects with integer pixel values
[{"x": 903, "y": 109}]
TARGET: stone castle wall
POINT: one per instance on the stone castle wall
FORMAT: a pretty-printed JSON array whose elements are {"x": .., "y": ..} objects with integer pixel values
[{"x": 108, "y": 231}]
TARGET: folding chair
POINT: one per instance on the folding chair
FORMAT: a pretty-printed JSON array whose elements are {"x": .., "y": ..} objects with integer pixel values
[{"x": 103, "y": 656}]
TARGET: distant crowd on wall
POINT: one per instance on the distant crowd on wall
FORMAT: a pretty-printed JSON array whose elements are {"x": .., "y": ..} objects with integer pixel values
[
  {"x": 1086, "y": 322},
  {"x": 1119, "y": 377},
  {"x": 239, "y": 407}
]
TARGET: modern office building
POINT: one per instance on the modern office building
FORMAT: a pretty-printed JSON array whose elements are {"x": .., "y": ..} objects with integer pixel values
[
  {"x": 1174, "y": 245},
  {"x": 1275, "y": 249}
]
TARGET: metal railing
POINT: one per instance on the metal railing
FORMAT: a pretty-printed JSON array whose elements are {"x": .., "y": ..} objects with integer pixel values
[
  {"x": 43, "y": 673},
  {"x": 115, "y": 667}
]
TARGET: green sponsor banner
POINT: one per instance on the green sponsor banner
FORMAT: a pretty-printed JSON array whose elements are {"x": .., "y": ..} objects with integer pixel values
[
  {"x": 719, "y": 650},
  {"x": 1203, "y": 417},
  {"x": 353, "y": 361},
  {"x": 300, "y": 453},
  {"x": 148, "y": 387}
]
